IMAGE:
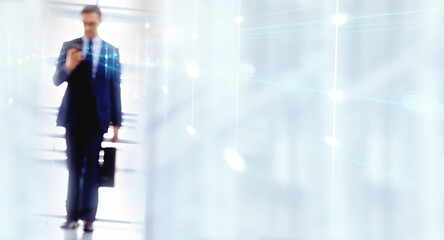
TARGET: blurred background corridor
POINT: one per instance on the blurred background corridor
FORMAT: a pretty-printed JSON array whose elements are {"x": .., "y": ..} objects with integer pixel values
[{"x": 243, "y": 119}]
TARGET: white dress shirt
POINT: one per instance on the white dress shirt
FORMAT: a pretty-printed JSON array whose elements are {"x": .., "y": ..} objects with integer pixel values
[{"x": 97, "y": 46}]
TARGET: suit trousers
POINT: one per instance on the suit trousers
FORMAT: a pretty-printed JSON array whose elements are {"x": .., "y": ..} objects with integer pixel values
[{"x": 83, "y": 147}]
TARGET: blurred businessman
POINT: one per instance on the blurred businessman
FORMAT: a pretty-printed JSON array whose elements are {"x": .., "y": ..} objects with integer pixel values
[{"x": 91, "y": 68}]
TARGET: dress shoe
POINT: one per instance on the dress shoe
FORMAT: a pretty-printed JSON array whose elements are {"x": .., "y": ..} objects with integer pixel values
[
  {"x": 70, "y": 224},
  {"x": 88, "y": 226}
]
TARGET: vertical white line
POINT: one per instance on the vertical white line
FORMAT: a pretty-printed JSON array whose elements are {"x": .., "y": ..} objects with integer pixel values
[
  {"x": 8, "y": 33},
  {"x": 137, "y": 56},
  {"x": 194, "y": 62},
  {"x": 194, "y": 30},
  {"x": 334, "y": 127},
  {"x": 192, "y": 104},
  {"x": 151, "y": 178},
  {"x": 237, "y": 75},
  {"x": 166, "y": 60},
  {"x": 145, "y": 80}
]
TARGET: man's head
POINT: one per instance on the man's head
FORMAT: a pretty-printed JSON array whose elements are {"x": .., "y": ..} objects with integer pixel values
[{"x": 91, "y": 17}]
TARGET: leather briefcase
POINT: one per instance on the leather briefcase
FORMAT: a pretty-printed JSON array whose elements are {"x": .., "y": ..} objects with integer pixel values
[{"x": 107, "y": 167}]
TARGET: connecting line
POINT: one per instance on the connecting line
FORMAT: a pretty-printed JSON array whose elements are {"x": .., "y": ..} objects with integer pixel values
[
  {"x": 292, "y": 86},
  {"x": 295, "y": 10},
  {"x": 334, "y": 127},
  {"x": 238, "y": 76},
  {"x": 192, "y": 104},
  {"x": 9, "y": 63},
  {"x": 145, "y": 80},
  {"x": 194, "y": 62},
  {"x": 166, "y": 60},
  {"x": 399, "y": 13},
  {"x": 266, "y": 125}
]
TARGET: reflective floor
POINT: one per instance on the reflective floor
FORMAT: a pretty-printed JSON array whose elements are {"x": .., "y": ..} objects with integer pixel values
[
  {"x": 120, "y": 213},
  {"x": 48, "y": 228}
]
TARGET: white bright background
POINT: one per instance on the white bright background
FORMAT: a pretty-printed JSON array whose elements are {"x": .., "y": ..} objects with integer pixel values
[{"x": 239, "y": 137}]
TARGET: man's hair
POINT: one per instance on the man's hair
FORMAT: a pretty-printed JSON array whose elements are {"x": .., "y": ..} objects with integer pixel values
[{"x": 92, "y": 9}]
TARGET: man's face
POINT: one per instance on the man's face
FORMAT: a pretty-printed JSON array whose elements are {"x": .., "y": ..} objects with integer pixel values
[{"x": 91, "y": 22}]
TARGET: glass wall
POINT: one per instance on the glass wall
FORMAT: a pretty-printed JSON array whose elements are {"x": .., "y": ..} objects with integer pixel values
[{"x": 298, "y": 120}]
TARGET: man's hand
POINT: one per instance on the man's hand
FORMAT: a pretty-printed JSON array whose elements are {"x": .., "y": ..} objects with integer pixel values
[
  {"x": 73, "y": 58},
  {"x": 116, "y": 134}
]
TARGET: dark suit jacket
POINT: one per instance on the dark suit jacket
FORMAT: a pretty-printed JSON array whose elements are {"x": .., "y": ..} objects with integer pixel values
[{"x": 104, "y": 90}]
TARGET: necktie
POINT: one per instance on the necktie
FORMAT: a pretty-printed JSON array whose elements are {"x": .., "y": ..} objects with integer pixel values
[{"x": 89, "y": 57}]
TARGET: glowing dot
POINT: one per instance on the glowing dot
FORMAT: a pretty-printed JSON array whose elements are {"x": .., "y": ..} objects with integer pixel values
[
  {"x": 147, "y": 25},
  {"x": 11, "y": 100},
  {"x": 136, "y": 96},
  {"x": 234, "y": 160},
  {"x": 193, "y": 70},
  {"x": 194, "y": 35},
  {"x": 165, "y": 89},
  {"x": 336, "y": 95},
  {"x": 191, "y": 131},
  {"x": 332, "y": 141},
  {"x": 238, "y": 19},
  {"x": 106, "y": 56},
  {"x": 339, "y": 19},
  {"x": 19, "y": 61},
  {"x": 27, "y": 56}
]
